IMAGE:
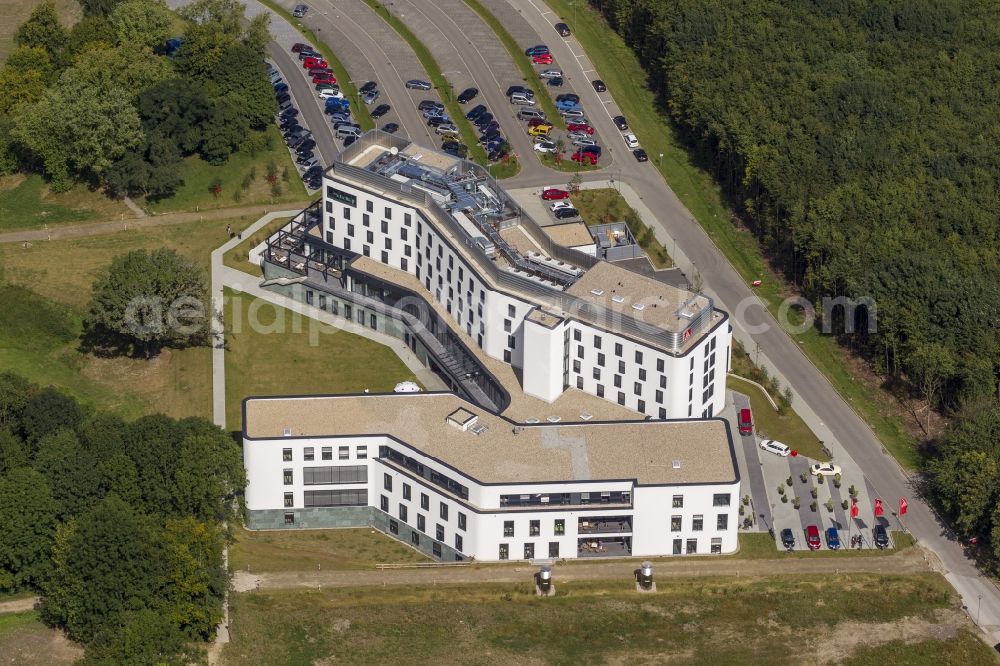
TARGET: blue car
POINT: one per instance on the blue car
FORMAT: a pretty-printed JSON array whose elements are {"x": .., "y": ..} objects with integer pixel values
[
  {"x": 338, "y": 104},
  {"x": 541, "y": 49},
  {"x": 475, "y": 112},
  {"x": 566, "y": 105},
  {"x": 832, "y": 538}
]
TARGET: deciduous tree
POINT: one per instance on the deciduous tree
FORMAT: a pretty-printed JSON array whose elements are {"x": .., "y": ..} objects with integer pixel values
[{"x": 28, "y": 526}]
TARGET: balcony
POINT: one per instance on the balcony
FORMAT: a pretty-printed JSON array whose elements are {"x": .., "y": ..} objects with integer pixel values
[
  {"x": 605, "y": 525},
  {"x": 604, "y": 547}
]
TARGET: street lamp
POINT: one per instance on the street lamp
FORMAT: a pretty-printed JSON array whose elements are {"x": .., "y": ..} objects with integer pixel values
[
  {"x": 978, "y": 607},
  {"x": 661, "y": 160}
]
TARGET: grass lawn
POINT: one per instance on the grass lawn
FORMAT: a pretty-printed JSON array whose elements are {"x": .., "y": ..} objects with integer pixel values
[
  {"x": 508, "y": 169},
  {"x": 359, "y": 110},
  {"x": 27, "y": 203},
  {"x": 626, "y": 80},
  {"x": 760, "y": 546},
  {"x": 239, "y": 256},
  {"x": 199, "y": 175},
  {"x": 607, "y": 205},
  {"x": 566, "y": 163},
  {"x": 305, "y": 550},
  {"x": 25, "y": 641},
  {"x": 291, "y": 354},
  {"x": 430, "y": 65},
  {"x": 17, "y": 12},
  {"x": 787, "y": 428},
  {"x": 693, "y": 620}
]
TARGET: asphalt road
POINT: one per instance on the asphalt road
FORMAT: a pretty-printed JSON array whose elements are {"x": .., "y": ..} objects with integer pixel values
[
  {"x": 833, "y": 419},
  {"x": 304, "y": 98}
]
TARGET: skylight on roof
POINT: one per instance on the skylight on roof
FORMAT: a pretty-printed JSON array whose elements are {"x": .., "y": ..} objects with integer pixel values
[
  {"x": 597, "y": 292},
  {"x": 618, "y": 299}
]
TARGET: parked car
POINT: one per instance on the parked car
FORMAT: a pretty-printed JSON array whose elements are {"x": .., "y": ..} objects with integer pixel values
[
  {"x": 290, "y": 112},
  {"x": 490, "y": 137},
  {"x": 534, "y": 122},
  {"x": 455, "y": 148},
  {"x": 572, "y": 97},
  {"x": 489, "y": 128},
  {"x": 390, "y": 128},
  {"x": 484, "y": 120},
  {"x": 367, "y": 87},
  {"x": 599, "y": 85},
  {"x": 475, "y": 112},
  {"x": 775, "y": 447},
  {"x": 788, "y": 539},
  {"x": 556, "y": 81},
  {"x": 620, "y": 123},
  {"x": 545, "y": 147},
  {"x": 437, "y": 121},
  {"x": 745, "y": 421},
  {"x": 299, "y": 11},
  {"x": 324, "y": 78},
  {"x": 328, "y": 93},
  {"x": 592, "y": 150},
  {"x": 832, "y": 538},
  {"x": 544, "y": 59},
  {"x": 880, "y": 537},
  {"x": 283, "y": 97},
  {"x": 305, "y": 147},
  {"x": 562, "y": 29},
  {"x": 306, "y": 160},
  {"x": 558, "y": 205},
  {"x": 380, "y": 111},
  {"x": 580, "y": 127},
  {"x": 417, "y": 84},
  {"x": 280, "y": 87},
  {"x": 539, "y": 130},
  {"x": 316, "y": 71},
  {"x": 431, "y": 104},
  {"x": 520, "y": 89},
  {"x": 582, "y": 140},
  {"x": 631, "y": 141},
  {"x": 447, "y": 129},
  {"x": 567, "y": 105},
  {"x": 566, "y": 213},
  {"x": 536, "y": 50},
  {"x": 554, "y": 194},
  {"x": 370, "y": 96},
  {"x": 550, "y": 73},
  {"x": 640, "y": 155},
  {"x": 298, "y": 46},
  {"x": 467, "y": 95},
  {"x": 348, "y": 140},
  {"x": 314, "y": 61},
  {"x": 824, "y": 469},
  {"x": 521, "y": 98},
  {"x": 812, "y": 538},
  {"x": 309, "y": 52},
  {"x": 584, "y": 158}
]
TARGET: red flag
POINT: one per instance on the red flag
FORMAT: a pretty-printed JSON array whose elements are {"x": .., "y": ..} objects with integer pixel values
[
  {"x": 879, "y": 511},
  {"x": 854, "y": 508},
  {"x": 903, "y": 506}
]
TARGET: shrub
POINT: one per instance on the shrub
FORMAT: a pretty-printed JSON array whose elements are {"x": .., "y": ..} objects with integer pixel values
[
  {"x": 813, "y": 506},
  {"x": 852, "y": 491},
  {"x": 788, "y": 481},
  {"x": 829, "y": 505},
  {"x": 836, "y": 480},
  {"x": 276, "y": 189},
  {"x": 781, "y": 489},
  {"x": 814, "y": 492},
  {"x": 820, "y": 479},
  {"x": 797, "y": 502},
  {"x": 844, "y": 505},
  {"x": 803, "y": 477},
  {"x": 784, "y": 499}
]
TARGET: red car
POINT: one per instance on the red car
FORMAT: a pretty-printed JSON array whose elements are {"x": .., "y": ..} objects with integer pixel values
[
  {"x": 543, "y": 59},
  {"x": 298, "y": 46},
  {"x": 324, "y": 78},
  {"x": 585, "y": 158},
  {"x": 535, "y": 122},
  {"x": 553, "y": 194},
  {"x": 812, "y": 538},
  {"x": 311, "y": 62},
  {"x": 746, "y": 421},
  {"x": 318, "y": 71},
  {"x": 580, "y": 127}
]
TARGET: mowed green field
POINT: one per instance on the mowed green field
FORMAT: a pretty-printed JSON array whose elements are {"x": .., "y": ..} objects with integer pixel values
[{"x": 843, "y": 619}]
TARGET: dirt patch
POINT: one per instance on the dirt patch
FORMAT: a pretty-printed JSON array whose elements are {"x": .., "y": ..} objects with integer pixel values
[
  {"x": 831, "y": 646},
  {"x": 34, "y": 644},
  {"x": 244, "y": 582},
  {"x": 19, "y": 605}
]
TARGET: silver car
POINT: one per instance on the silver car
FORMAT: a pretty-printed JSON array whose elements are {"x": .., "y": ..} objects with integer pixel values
[
  {"x": 300, "y": 11},
  {"x": 583, "y": 140},
  {"x": 417, "y": 84},
  {"x": 551, "y": 74}
]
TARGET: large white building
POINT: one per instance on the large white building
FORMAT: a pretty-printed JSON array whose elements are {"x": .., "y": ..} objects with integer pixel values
[
  {"x": 459, "y": 482},
  {"x": 429, "y": 248}
]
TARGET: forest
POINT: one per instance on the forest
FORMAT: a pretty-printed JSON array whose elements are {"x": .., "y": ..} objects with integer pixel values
[
  {"x": 119, "y": 526},
  {"x": 105, "y": 104},
  {"x": 858, "y": 139}
]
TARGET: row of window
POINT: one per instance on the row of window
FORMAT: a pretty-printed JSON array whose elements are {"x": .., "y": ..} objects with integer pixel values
[
  {"x": 619, "y": 350},
  {"x": 698, "y": 523},
  {"x": 404, "y": 515},
  {"x": 326, "y": 453},
  {"x": 529, "y": 550},
  {"x": 435, "y": 546},
  {"x": 535, "y": 527},
  {"x": 718, "y": 499}
]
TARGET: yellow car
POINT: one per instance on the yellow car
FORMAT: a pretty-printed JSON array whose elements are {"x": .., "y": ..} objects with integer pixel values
[{"x": 539, "y": 130}]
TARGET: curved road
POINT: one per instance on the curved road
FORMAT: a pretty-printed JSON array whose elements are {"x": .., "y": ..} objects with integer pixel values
[{"x": 834, "y": 420}]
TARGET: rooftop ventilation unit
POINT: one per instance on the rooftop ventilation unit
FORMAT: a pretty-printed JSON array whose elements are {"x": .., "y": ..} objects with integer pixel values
[
  {"x": 676, "y": 464},
  {"x": 586, "y": 416},
  {"x": 532, "y": 420},
  {"x": 462, "y": 419},
  {"x": 554, "y": 419},
  {"x": 479, "y": 428},
  {"x": 618, "y": 299},
  {"x": 690, "y": 309},
  {"x": 638, "y": 306},
  {"x": 287, "y": 432},
  {"x": 597, "y": 292}
]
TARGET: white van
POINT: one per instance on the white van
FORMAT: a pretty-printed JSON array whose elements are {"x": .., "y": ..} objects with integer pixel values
[
  {"x": 521, "y": 98},
  {"x": 775, "y": 447},
  {"x": 344, "y": 132},
  {"x": 573, "y": 113},
  {"x": 529, "y": 113}
]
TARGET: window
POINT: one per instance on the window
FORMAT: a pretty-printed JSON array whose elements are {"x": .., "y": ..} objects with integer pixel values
[
  {"x": 678, "y": 501},
  {"x": 637, "y": 388},
  {"x": 716, "y": 546},
  {"x": 659, "y": 365},
  {"x": 350, "y": 230},
  {"x": 511, "y": 342},
  {"x": 443, "y": 511},
  {"x": 403, "y": 512},
  {"x": 289, "y": 499},
  {"x": 458, "y": 542},
  {"x": 692, "y": 546},
  {"x": 618, "y": 381},
  {"x": 385, "y": 257},
  {"x": 576, "y": 365},
  {"x": 579, "y": 351},
  {"x": 404, "y": 265},
  {"x": 414, "y": 538},
  {"x": 309, "y": 297},
  {"x": 286, "y": 454},
  {"x": 421, "y": 522},
  {"x": 621, "y": 367},
  {"x": 335, "y": 498},
  {"x": 618, "y": 349},
  {"x": 638, "y": 357},
  {"x": 370, "y": 206},
  {"x": 600, "y": 390},
  {"x": 344, "y": 453},
  {"x": 659, "y": 397},
  {"x": 559, "y": 528},
  {"x": 600, "y": 360},
  {"x": 506, "y": 325},
  {"x": 722, "y": 522},
  {"x": 393, "y": 527},
  {"x": 361, "y": 452},
  {"x": 384, "y": 503},
  {"x": 677, "y": 546},
  {"x": 385, "y": 227},
  {"x": 697, "y": 523},
  {"x": 529, "y": 551},
  {"x": 406, "y": 491},
  {"x": 642, "y": 374},
  {"x": 641, "y": 406},
  {"x": 511, "y": 311},
  {"x": 577, "y": 336},
  {"x": 289, "y": 518},
  {"x": 327, "y": 453},
  {"x": 309, "y": 453},
  {"x": 534, "y": 528},
  {"x": 387, "y": 482},
  {"x": 314, "y": 476},
  {"x": 461, "y": 520},
  {"x": 508, "y": 528},
  {"x": 369, "y": 237},
  {"x": 439, "y": 532},
  {"x": 597, "y": 374},
  {"x": 621, "y": 398},
  {"x": 663, "y": 413},
  {"x": 597, "y": 342},
  {"x": 553, "y": 549},
  {"x": 425, "y": 502},
  {"x": 504, "y": 551},
  {"x": 579, "y": 383},
  {"x": 663, "y": 381},
  {"x": 407, "y": 220},
  {"x": 675, "y": 523},
  {"x": 721, "y": 499},
  {"x": 289, "y": 479}
]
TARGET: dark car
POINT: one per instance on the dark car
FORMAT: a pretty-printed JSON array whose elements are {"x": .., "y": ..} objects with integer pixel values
[
  {"x": 306, "y": 158},
  {"x": 299, "y": 11},
  {"x": 484, "y": 120},
  {"x": 519, "y": 89},
  {"x": 306, "y": 146},
  {"x": 348, "y": 140},
  {"x": 367, "y": 87},
  {"x": 562, "y": 29},
  {"x": 455, "y": 148},
  {"x": 536, "y": 50},
  {"x": 640, "y": 155},
  {"x": 283, "y": 97},
  {"x": 284, "y": 106},
  {"x": 309, "y": 52},
  {"x": 497, "y": 154},
  {"x": 568, "y": 97},
  {"x": 489, "y": 128},
  {"x": 592, "y": 150},
  {"x": 289, "y": 113},
  {"x": 490, "y": 136},
  {"x": 429, "y": 104},
  {"x": 556, "y": 81},
  {"x": 320, "y": 71},
  {"x": 417, "y": 84},
  {"x": 380, "y": 110},
  {"x": 391, "y": 128},
  {"x": 475, "y": 112},
  {"x": 565, "y": 213},
  {"x": 832, "y": 538},
  {"x": 299, "y": 46},
  {"x": 620, "y": 123},
  {"x": 467, "y": 95},
  {"x": 434, "y": 121},
  {"x": 880, "y": 537},
  {"x": 291, "y": 126},
  {"x": 788, "y": 539},
  {"x": 280, "y": 88},
  {"x": 599, "y": 85}
]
